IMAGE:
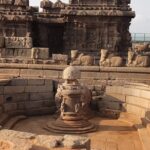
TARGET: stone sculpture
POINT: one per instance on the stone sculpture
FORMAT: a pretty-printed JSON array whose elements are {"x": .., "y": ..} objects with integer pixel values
[
  {"x": 21, "y": 2},
  {"x": 46, "y": 4},
  {"x": 137, "y": 60},
  {"x": 86, "y": 97},
  {"x": 140, "y": 48},
  {"x": 18, "y": 42},
  {"x": 78, "y": 58},
  {"x": 7, "y": 2},
  {"x": 109, "y": 60},
  {"x": 70, "y": 102}
]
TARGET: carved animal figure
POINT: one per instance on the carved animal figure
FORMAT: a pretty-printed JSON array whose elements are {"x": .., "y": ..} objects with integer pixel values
[
  {"x": 21, "y": 2},
  {"x": 108, "y": 60},
  {"x": 9, "y": 2},
  {"x": 135, "y": 60},
  {"x": 81, "y": 59},
  {"x": 141, "y": 47}
]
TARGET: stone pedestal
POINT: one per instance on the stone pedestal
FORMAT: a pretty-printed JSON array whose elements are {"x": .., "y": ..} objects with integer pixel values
[{"x": 71, "y": 120}]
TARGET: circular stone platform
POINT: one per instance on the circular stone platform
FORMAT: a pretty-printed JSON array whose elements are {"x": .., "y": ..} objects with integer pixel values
[
  {"x": 110, "y": 135},
  {"x": 70, "y": 126}
]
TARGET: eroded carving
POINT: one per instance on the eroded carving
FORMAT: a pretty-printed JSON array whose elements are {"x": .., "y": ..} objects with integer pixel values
[
  {"x": 110, "y": 60},
  {"x": 18, "y": 42},
  {"x": 137, "y": 60},
  {"x": 78, "y": 58}
]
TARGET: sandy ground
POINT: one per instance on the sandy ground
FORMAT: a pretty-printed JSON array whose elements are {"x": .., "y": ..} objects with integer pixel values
[{"x": 111, "y": 134}]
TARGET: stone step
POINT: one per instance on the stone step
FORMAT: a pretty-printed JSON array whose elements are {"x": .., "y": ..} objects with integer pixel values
[
  {"x": 41, "y": 111},
  {"x": 131, "y": 119},
  {"x": 11, "y": 123},
  {"x": 3, "y": 119},
  {"x": 145, "y": 138}
]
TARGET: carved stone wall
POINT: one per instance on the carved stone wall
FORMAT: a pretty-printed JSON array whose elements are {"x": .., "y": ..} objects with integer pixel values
[{"x": 85, "y": 25}]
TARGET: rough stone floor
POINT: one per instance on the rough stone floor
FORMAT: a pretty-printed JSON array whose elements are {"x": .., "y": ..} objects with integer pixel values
[{"x": 111, "y": 134}]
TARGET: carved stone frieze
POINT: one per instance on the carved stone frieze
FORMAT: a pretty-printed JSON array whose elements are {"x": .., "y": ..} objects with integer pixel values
[{"x": 18, "y": 42}]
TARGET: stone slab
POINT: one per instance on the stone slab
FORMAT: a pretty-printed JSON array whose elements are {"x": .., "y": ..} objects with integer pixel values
[
  {"x": 139, "y": 111},
  {"x": 36, "y": 81},
  {"x": 14, "y": 89},
  {"x": 40, "y": 53},
  {"x": 41, "y": 96},
  {"x": 31, "y": 73},
  {"x": 18, "y": 42},
  {"x": 33, "y": 104},
  {"x": 36, "y": 89},
  {"x": 1, "y": 99},
  {"x": 2, "y": 41},
  {"x": 9, "y": 107},
  {"x": 16, "y": 97},
  {"x": 19, "y": 82},
  {"x": 60, "y": 58},
  {"x": 137, "y": 101},
  {"x": 17, "y": 53}
]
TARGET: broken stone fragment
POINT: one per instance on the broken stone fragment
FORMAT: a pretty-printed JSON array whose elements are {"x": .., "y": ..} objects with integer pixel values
[{"x": 71, "y": 141}]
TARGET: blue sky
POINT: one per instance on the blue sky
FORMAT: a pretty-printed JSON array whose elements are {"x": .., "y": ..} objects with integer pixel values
[{"x": 140, "y": 24}]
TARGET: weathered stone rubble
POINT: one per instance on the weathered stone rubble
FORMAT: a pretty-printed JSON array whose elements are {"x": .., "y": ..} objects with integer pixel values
[{"x": 15, "y": 140}]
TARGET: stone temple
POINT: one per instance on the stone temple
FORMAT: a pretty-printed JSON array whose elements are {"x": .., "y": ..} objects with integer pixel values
[{"x": 71, "y": 78}]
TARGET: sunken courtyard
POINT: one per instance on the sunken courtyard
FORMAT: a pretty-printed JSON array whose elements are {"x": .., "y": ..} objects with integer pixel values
[{"x": 71, "y": 78}]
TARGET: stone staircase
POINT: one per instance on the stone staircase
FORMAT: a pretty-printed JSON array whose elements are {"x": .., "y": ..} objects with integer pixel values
[{"x": 144, "y": 132}]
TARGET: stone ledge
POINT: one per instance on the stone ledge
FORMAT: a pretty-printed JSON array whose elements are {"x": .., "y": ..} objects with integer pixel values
[{"x": 82, "y": 68}]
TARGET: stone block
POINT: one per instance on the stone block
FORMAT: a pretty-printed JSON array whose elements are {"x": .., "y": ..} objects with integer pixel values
[
  {"x": 16, "y": 97},
  {"x": 52, "y": 74},
  {"x": 14, "y": 89},
  {"x": 25, "y": 53},
  {"x": 49, "y": 103},
  {"x": 1, "y": 110},
  {"x": 115, "y": 89},
  {"x": 17, "y": 53},
  {"x": 18, "y": 42},
  {"x": 115, "y": 97},
  {"x": 40, "y": 53},
  {"x": 40, "y": 111},
  {"x": 1, "y": 99},
  {"x": 112, "y": 104},
  {"x": 60, "y": 58},
  {"x": 33, "y": 104},
  {"x": 132, "y": 92},
  {"x": 76, "y": 142},
  {"x": 138, "y": 101},
  {"x": 14, "y": 72},
  {"x": 19, "y": 82},
  {"x": 138, "y": 111},
  {"x": 36, "y": 89},
  {"x": 31, "y": 73},
  {"x": 49, "y": 82},
  {"x": 1, "y": 90},
  {"x": 2, "y": 52},
  {"x": 8, "y": 107},
  {"x": 36, "y": 81},
  {"x": 2, "y": 41},
  {"x": 41, "y": 96},
  {"x": 21, "y": 106},
  {"x": 145, "y": 94}
]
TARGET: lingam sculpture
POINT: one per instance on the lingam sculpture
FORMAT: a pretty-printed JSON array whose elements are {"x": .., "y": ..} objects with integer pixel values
[{"x": 71, "y": 119}]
